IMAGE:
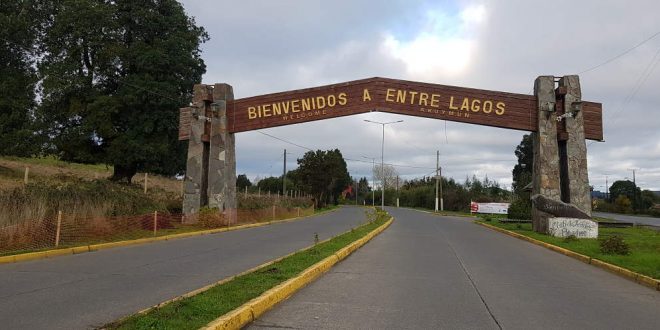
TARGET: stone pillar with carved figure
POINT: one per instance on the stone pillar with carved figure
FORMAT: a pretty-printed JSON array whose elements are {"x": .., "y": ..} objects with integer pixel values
[
  {"x": 545, "y": 172},
  {"x": 222, "y": 158},
  {"x": 561, "y": 201},
  {"x": 210, "y": 179},
  {"x": 576, "y": 147}
]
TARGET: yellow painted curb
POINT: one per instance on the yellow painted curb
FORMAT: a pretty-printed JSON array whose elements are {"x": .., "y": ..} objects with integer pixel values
[
  {"x": 102, "y": 246},
  {"x": 623, "y": 272},
  {"x": 254, "y": 308}
]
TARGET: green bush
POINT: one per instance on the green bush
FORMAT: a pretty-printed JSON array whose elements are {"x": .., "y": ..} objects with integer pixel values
[
  {"x": 520, "y": 209},
  {"x": 614, "y": 245}
]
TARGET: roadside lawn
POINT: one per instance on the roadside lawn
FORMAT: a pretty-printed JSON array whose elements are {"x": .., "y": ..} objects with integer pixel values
[{"x": 644, "y": 257}]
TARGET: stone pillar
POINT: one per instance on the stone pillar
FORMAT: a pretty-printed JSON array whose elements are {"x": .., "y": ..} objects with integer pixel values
[
  {"x": 211, "y": 166},
  {"x": 545, "y": 174},
  {"x": 576, "y": 147},
  {"x": 222, "y": 159},
  {"x": 195, "y": 181}
]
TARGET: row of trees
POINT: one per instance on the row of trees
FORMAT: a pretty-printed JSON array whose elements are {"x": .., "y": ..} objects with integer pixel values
[
  {"x": 322, "y": 174},
  {"x": 97, "y": 81},
  {"x": 626, "y": 197}
]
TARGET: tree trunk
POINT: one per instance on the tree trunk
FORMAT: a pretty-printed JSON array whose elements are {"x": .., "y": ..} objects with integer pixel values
[{"x": 123, "y": 173}]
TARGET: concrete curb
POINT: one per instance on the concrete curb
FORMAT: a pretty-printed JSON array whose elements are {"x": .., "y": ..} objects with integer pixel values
[
  {"x": 623, "y": 272},
  {"x": 102, "y": 246},
  {"x": 254, "y": 308}
]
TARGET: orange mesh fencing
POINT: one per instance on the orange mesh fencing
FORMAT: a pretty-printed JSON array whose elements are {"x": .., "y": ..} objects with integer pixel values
[{"x": 68, "y": 230}]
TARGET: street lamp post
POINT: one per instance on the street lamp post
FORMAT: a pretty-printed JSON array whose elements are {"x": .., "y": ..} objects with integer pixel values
[
  {"x": 373, "y": 181},
  {"x": 382, "y": 159}
]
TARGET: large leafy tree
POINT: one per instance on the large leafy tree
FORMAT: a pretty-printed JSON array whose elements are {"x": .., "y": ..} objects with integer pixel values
[
  {"x": 626, "y": 188},
  {"x": 115, "y": 74},
  {"x": 522, "y": 171},
  {"x": 521, "y": 208},
  {"x": 324, "y": 174},
  {"x": 242, "y": 181},
  {"x": 18, "y": 35}
]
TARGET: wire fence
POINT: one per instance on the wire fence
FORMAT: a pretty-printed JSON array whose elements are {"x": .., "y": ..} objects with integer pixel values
[{"x": 69, "y": 230}]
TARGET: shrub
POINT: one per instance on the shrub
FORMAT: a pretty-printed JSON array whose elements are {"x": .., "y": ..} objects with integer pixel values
[
  {"x": 614, "y": 245},
  {"x": 520, "y": 209},
  {"x": 622, "y": 204}
]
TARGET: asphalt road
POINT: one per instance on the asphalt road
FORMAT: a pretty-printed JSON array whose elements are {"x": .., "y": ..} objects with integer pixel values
[
  {"x": 431, "y": 272},
  {"x": 629, "y": 218},
  {"x": 88, "y": 290}
]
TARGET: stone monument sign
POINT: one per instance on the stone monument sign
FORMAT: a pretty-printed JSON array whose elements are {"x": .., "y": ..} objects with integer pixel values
[{"x": 556, "y": 114}]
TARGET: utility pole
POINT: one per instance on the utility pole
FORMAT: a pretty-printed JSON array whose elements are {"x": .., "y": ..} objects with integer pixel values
[
  {"x": 442, "y": 201},
  {"x": 634, "y": 190},
  {"x": 397, "y": 191},
  {"x": 437, "y": 177},
  {"x": 373, "y": 182},
  {"x": 382, "y": 158},
  {"x": 607, "y": 190},
  {"x": 284, "y": 175}
]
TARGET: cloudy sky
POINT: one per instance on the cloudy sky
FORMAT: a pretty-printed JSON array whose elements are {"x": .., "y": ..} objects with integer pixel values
[{"x": 262, "y": 47}]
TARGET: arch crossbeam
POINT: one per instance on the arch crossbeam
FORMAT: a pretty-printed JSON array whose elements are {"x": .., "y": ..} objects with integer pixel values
[{"x": 468, "y": 105}]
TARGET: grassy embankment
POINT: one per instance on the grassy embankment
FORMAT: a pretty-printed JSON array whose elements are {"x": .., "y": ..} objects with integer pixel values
[
  {"x": 198, "y": 310},
  {"x": 78, "y": 189},
  {"x": 644, "y": 257},
  {"x": 107, "y": 210}
]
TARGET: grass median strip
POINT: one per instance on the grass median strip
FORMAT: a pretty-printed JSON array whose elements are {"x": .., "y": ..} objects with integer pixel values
[
  {"x": 198, "y": 310},
  {"x": 644, "y": 257}
]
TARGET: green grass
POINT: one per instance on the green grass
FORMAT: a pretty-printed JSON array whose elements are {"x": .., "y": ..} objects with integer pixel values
[
  {"x": 644, "y": 246},
  {"x": 197, "y": 311},
  {"x": 53, "y": 161}
]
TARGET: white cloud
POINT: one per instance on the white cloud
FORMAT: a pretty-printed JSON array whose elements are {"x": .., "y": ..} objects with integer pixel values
[
  {"x": 264, "y": 47},
  {"x": 443, "y": 47}
]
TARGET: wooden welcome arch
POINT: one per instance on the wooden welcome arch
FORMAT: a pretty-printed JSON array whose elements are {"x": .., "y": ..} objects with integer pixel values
[{"x": 556, "y": 114}]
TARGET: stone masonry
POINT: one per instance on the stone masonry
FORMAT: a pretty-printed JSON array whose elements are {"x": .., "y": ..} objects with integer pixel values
[
  {"x": 576, "y": 146},
  {"x": 211, "y": 166},
  {"x": 547, "y": 177}
]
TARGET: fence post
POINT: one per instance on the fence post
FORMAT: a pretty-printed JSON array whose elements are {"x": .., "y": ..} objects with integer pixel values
[
  {"x": 298, "y": 211},
  {"x": 59, "y": 227},
  {"x": 273, "y": 212},
  {"x": 245, "y": 190},
  {"x": 145, "y": 183},
  {"x": 27, "y": 173},
  {"x": 155, "y": 222}
]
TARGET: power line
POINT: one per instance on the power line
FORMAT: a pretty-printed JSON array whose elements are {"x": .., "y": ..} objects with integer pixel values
[
  {"x": 388, "y": 164},
  {"x": 285, "y": 141},
  {"x": 345, "y": 158},
  {"x": 621, "y": 54},
  {"x": 638, "y": 85}
]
